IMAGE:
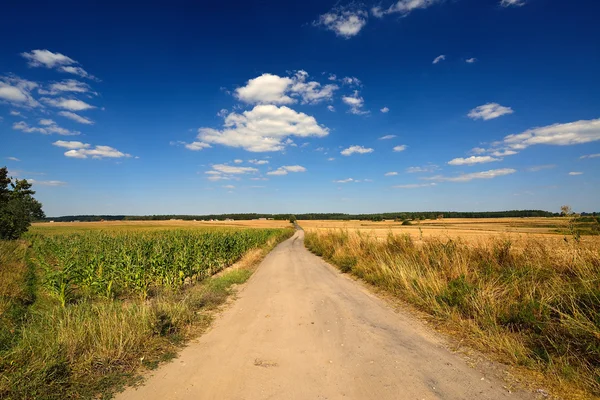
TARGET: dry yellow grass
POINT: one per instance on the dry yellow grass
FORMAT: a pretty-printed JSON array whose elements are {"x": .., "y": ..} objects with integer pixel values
[
  {"x": 473, "y": 230},
  {"x": 73, "y": 227}
]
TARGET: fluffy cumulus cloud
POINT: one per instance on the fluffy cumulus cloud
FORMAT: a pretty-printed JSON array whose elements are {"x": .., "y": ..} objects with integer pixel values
[
  {"x": 345, "y": 22},
  {"x": 489, "y": 111},
  {"x": 403, "y": 7},
  {"x": 439, "y": 59},
  {"x": 356, "y": 150},
  {"x": 67, "y": 104},
  {"x": 287, "y": 168},
  {"x": 512, "y": 3},
  {"x": 47, "y": 127},
  {"x": 17, "y": 91},
  {"x": 76, "y": 117},
  {"x": 473, "y": 160},
  {"x": 400, "y": 148},
  {"x": 85, "y": 150},
  {"x": 385, "y": 110},
  {"x": 195, "y": 146},
  {"x": 57, "y": 61},
  {"x": 258, "y": 162},
  {"x": 264, "y": 128},
  {"x": 356, "y": 103},
  {"x": 493, "y": 173},
  {"x": 579, "y": 132},
  {"x": 274, "y": 89}
]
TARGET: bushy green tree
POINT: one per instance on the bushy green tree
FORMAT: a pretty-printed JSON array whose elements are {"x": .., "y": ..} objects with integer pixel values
[{"x": 17, "y": 206}]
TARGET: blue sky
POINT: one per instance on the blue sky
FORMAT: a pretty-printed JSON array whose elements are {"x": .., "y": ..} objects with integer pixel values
[{"x": 194, "y": 108}]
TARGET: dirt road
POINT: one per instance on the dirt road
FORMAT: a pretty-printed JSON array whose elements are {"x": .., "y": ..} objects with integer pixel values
[{"x": 301, "y": 330}]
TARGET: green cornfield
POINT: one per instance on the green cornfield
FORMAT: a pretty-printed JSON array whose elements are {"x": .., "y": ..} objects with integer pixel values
[{"x": 121, "y": 264}]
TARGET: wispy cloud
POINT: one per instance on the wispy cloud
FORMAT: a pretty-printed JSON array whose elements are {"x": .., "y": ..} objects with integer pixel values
[
  {"x": 439, "y": 59},
  {"x": 48, "y": 127},
  {"x": 75, "y": 117},
  {"x": 67, "y": 104},
  {"x": 46, "y": 183},
  {"x": 356, "y": 103},
  {"x": 473, "y": 160},
  {"x": 512, "y": 3},
  {"x": 387, "y": 137},
  {"x": 403, "y": 7},
  {"x": 493, "y": 173},
  {"x": 356, "y": 150},
  {"x": 414, "y": 185},
  {"x": 584, "y": 131},
  {"x": 470, "y": 60},
  {"x": 400, "y": 148},
  {"x": 391, "y": 173},
  {"x": 12, "y": 158},
  {"x": 427, "y": 168},
  {"x": 537, "y": 168},
  {"x": 575, "y": 173},
  {"x": 489, "y": 111},
  {"x": 46, "y": 58},
  {"x": 590, "y": 156},
  {"x": 85, "y": 150}
]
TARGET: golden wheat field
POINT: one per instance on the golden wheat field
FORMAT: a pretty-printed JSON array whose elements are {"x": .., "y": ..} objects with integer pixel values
[{"x": 470, "y": 229}]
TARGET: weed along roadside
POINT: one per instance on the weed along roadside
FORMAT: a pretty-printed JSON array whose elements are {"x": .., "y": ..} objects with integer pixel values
[
  {"x": 533, "y": 306},
  {"x": 83, "y": 314}
]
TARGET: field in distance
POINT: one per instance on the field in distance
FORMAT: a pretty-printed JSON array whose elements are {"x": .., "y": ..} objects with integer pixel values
[
  {"x": 75, "y": 227},
  {"x": 471, "y": 229}
]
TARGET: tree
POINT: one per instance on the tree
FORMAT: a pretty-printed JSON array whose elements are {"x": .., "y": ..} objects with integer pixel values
[
  {"x": 17, "y": 206},
  {"x": 293, "y": 219},
  {"x": 566, "y": 210}
]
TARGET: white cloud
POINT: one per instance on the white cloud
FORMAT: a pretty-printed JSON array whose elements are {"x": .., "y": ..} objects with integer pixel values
[
  {"x": 416, "y": 170},
  {"x": 67, "y": 85},
  {"x": 473, "y": 160},
  {"x": 477, "y": 150},
  {"x": 230, "y": 169},
  {"x": 489, "y": 111},
  {"x": 348, "y": 180},
  {"x": 331, "y": 108},
  {"x": 356, "y": 103},
  {"x": 76, "y": 117},
  {"x": 222, "y": 112},
  {"x": 356, "y": 149},
  {"x": 258, "y": 162},
  {"x": 238, "y": 161},
  {"x": 17, "y": 91},
  {"x": 71, "y": 144},
  {"x": 439, "y": 59},
  {"x": 49, "y": 127},
  {"x": 384, "y": 110},
  {"x": 229, "y": 186},
  {"x": 351, "y": 81},
  {"x": 406, "y": 6},
  {"x": 46, "y": 183},
  {"x": 12, "y": 158},
  {"x": 378, "y": 11},
  {"x": 509, "y": 3},
  {"x": 274, "y": 89},
  {"x": 504, "y": 153},
  {"x": 264, "y": 128},
  {"x": 400, "y": 148},
  {"x": 195, "y": 146},
  {"x": 67, "y": 104},
  {"x": 590, "y": 156},
  {"x": 470, "y": 60},
  {"x": 346, "y": 22},
  {"x": 331, "y": 159},
  {"x": 387, "y": 137},
  {"x": 46, "y": 58},
  {"x": 414, "y": 185},
  {"x": 391, "y": 174},
  {"x": 16, "y": 114},
  {"x": 84, "y": 150},
  {"x": 287, "y": 168},
  {"x": 575, "y": 173},
  {"x": 475, "y": 175},
  {"x": 584, "y": 131}
]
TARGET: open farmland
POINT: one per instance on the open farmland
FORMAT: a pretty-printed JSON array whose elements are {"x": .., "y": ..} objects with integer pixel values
[
  {"x": 474, "y": 230},
  {"x": 82, "y": 311}
]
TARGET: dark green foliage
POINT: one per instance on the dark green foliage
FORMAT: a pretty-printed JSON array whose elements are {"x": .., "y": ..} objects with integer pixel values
[{"x": 18, "y": 208}]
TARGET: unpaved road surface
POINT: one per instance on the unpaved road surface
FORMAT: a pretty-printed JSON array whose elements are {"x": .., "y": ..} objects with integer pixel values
[{"x": 302, "y": 330}]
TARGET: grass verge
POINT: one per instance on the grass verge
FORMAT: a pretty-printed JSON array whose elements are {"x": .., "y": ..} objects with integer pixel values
[
  {"x": 533, "y": 306},
  {"x": 91, "y": 348}
]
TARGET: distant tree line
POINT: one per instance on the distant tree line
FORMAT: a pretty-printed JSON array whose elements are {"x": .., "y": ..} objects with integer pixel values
[{"x": 320, "y": 216}]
